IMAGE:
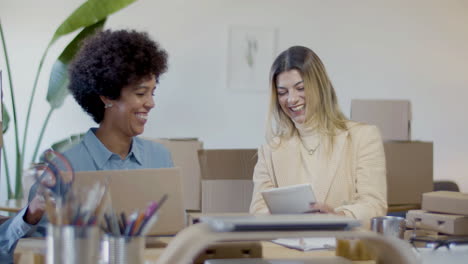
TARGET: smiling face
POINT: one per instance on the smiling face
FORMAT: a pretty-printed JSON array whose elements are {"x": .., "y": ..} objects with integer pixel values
[
  {"x": 291, "y": 95},
  {"x": 129, "y": 112}
]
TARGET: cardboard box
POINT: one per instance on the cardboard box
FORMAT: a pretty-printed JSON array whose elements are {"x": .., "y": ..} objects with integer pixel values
[
  {"x": 184, "y": 153},
  {"x": 227, "y": 179},
  {"x": 445, "y": 223},
  {"x": 446, "y": 202},
  {"x": 409, "y": 171},
  {"x": 135, "y": 189},
  {"x": 392, "y": 117},
  {"x": 226, "y": 196},
  {"x": 232, "y": 164}
]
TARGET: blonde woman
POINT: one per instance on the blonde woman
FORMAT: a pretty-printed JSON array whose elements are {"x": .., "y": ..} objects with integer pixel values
[{"x": 309, "y": 140}]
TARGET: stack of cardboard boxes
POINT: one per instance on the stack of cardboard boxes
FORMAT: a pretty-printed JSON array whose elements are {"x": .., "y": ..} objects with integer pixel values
[
  {"x": 409, "y": 163},
  {"x": 213, "y": 180},
  {"x": 184, "y": 152},
  {"x": 443, "y": 212}
]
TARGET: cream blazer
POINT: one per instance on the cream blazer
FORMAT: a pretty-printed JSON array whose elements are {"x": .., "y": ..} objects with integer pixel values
[{"x": 353, "y": 179}]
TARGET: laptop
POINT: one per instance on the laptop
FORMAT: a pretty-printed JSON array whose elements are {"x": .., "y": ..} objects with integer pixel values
[
  {"x": 309, "y": 260},
  {"x": 135, "y": 189},
  {"x": 280, "y": 222}
]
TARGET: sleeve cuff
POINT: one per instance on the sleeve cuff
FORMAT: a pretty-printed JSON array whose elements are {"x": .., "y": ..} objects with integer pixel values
[
  {"x": 347, "y": 212},
  {"x": 19, "y": 227}
]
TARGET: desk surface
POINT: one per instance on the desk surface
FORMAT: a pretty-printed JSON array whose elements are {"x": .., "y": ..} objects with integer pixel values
[{"x": 32, "y": 251}]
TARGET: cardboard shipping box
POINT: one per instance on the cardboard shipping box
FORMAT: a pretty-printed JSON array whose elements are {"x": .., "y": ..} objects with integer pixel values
[
  {"x": 409, "y": 171},
  {"x": 226, "y": 196},
  {"x": 227, "y": 179},
  {"x": 135, "y": 189},
  {"x": 392, "y": 117},
  {"x": 446, "y": 202},
  {"x": 184, "y": 153},
  {"x": 445, "y": 223}
]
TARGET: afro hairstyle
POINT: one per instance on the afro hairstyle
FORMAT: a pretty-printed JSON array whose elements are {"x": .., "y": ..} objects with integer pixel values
[{"x": 109, "y": 61}]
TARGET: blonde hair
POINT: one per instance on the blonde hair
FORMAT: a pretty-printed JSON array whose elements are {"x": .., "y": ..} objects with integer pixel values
[{"x": 322, "y": 109}]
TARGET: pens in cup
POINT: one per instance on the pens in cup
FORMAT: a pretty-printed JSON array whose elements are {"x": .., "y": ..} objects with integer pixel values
[{"x": 138, "y": 223}]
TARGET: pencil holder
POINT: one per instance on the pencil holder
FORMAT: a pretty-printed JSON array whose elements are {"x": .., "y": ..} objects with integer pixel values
[
  {"x": 389, "y": 225},
  {"x": 72, "y": 244},
  {"x": 123, "y": 249}
]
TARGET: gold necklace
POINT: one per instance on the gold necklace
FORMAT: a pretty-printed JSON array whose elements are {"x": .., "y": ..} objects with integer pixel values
[{"x": 311, "y": 151}]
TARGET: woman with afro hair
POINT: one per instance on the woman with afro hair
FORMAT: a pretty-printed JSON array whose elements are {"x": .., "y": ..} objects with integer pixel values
[{"x": 113, "y": 78}]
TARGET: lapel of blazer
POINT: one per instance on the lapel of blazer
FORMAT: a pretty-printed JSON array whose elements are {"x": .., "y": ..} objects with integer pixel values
[
  {"x": 287, "y": 165},
  {"x": 330, "y": 167}
]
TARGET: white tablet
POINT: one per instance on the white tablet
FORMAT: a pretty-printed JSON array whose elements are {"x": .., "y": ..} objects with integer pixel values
[{"x": 294, "y": 199}]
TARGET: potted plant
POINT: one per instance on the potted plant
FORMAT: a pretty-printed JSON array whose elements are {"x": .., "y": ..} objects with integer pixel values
[{"x": 87, "y": 18}]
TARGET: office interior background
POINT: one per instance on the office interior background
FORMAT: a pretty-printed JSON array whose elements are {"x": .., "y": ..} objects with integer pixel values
[{"x": 415, "y": 50}]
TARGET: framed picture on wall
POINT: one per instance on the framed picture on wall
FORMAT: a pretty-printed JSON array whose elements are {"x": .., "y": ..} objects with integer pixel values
[{"x": 250, "y": 54}]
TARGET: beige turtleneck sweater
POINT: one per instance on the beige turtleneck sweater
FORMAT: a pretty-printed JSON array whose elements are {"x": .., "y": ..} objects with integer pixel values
[{"x": 311, "y": 154}]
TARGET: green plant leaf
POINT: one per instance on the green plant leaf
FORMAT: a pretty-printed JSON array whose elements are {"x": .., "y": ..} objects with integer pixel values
[
  {"x": 89, "y": 13},
  {"x": 58, "y": 81},
  {"x": 65, "y": 144},
  {"x": 6, "y": 120}
]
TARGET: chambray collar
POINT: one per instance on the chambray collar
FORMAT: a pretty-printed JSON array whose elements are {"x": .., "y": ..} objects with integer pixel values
[
  {"x": 137, "y": 150},
  {"x": 100, "y": 154}
]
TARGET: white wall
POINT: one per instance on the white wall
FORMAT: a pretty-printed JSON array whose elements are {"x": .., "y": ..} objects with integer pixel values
[{"x": 397, "y": 49}]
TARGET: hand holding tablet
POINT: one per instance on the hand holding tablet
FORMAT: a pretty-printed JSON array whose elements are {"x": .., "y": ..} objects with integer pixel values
[{"x": 294, "y": 199}]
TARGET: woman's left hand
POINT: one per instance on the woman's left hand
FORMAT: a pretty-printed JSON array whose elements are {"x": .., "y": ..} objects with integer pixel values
[{"x": 324, "y": 209}]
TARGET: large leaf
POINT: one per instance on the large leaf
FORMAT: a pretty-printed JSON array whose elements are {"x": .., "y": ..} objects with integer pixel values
[
  {"x": 65, "y": 144},
  {"x": 58, "y": 81},
  {"x": 5, "y": 120},
  {"x": 89, "y": 13},
  {"x": 5, "y": 116}
]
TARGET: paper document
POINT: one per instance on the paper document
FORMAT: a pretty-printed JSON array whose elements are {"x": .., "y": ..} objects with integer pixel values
[{"x": 307, "y": 244}]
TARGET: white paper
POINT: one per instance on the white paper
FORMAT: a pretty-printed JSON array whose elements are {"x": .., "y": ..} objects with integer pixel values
[{"x": 307, "y": 244}]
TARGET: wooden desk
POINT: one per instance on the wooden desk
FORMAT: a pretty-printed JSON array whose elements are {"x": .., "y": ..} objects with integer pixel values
[
  {"x": 13, "y": 205},
  {"x": 33, "y": 250},
  {"x": 269, "y": 250}
]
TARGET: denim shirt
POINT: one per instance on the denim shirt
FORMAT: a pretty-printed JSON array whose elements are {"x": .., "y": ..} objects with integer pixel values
[{"x": 88, "y": 155}]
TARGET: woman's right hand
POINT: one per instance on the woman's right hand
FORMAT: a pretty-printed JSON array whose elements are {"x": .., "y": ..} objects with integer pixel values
[
  {"x": 323, "y": 208},
  {"x": 36, "y": 209}
]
